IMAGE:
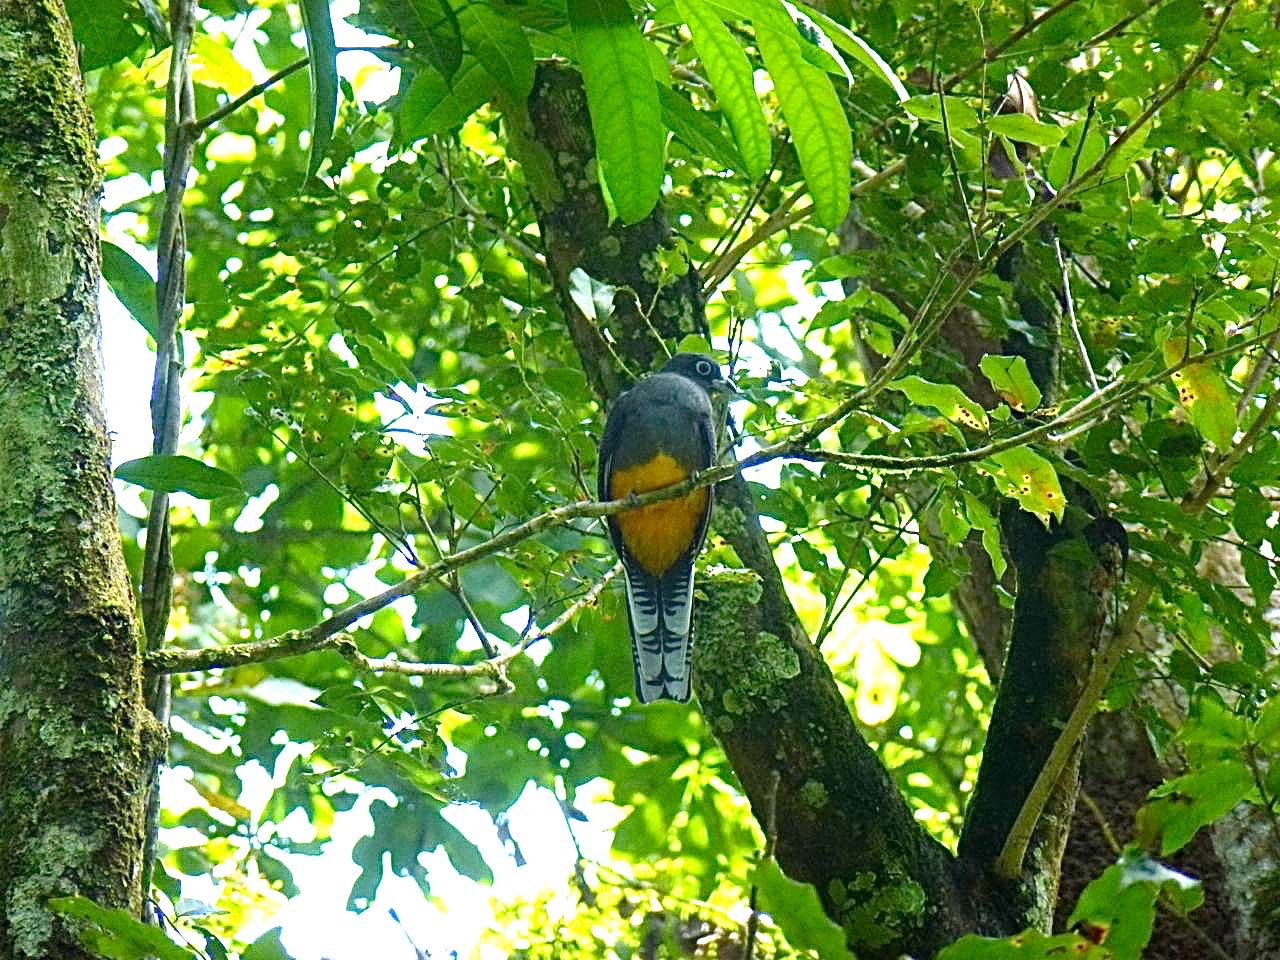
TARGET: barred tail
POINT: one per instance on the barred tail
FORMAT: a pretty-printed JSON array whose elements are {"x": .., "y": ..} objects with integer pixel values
[{"x": 661, "y": 632}]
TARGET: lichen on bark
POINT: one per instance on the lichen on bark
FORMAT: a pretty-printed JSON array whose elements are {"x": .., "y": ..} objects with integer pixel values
[{"x": 75, "y": 738}]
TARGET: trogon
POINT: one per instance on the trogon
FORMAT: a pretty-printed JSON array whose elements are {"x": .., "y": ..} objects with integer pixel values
[{"x": 659, "y": 432}]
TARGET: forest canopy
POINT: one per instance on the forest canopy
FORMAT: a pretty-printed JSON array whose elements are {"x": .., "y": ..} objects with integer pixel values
[{"x": 998, "y": 282}]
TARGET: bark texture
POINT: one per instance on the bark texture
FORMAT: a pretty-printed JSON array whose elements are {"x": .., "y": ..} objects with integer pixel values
[{"x": 75, "y": 740}]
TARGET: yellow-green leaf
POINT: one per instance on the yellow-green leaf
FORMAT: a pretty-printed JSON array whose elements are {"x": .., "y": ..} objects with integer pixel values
[
  {"x": 947, "y": 398},
  {"x": 795, "y": 908},
  {"x": 1025, "y": 476},
  {"x": 960, "y": 116},
  {"x": 1204, "y": 394},
  {"x": 852, "y": 44},
  {"x": 984, "y": 520},
  {"x": 1023, "y": 129}
]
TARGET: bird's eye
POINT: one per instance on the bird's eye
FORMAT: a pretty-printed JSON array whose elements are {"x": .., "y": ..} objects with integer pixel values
[{"x": 703, "y": 368}]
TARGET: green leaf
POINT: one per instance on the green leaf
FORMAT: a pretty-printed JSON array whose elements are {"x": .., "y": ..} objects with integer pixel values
[
  {"x": 117, "y": 933},
  {"x": 946, "y": 398},
  {"x": 267, "y": 947},
  {"x": 1012, "y": 380},
  {"x": 132, "y": 285},
  {"x": 1182, "y": 806},
  {"x": 1204, "y": 394},
  {"x": 695, "y": 343},
  {"x": 852, "y": 44},
  {"x": 1250, "y": 516},
  {"x": 796, "y": 909},
  {"x": 171, "y": 474},
  {"x": 437, "y": 32},
  {"x": 623, "y": 100},
  {"x": 697, "y": 130},
  {"x": 323, "y": 66},
  {"x": 1023, "y": 129},
  {"x": 214, "y": 948},
  {"x": 1029, "y": 478},
  {"x": 499, "y": 42},
  {"x": 435, "y": 105},
  {"x": 1120, "y": 905},
  {"x": 730, "y": 74},
  {"x": 593, "y": 297},
  {"x": 1267, "y": 726},
  {"x": 960, "y": 116},
  {"x": 214, "y": 64},
  {"x": 984, "y": 520},
  {"x": 1070, "y": 153},
  {"x": 817, "y": 46},
  {"x": 106, "y": 30},
  {"x": 819, "y": 128}
]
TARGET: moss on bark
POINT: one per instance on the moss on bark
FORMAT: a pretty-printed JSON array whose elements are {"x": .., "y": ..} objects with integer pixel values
[{"x": 75, "y": 739}]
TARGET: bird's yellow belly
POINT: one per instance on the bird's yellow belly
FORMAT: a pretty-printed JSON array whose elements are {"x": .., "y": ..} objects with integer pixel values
[{"x": 658, "y": 534}]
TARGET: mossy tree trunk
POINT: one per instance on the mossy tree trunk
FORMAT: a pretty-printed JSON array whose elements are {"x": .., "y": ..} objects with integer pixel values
[{"x": 75, "y": 739}]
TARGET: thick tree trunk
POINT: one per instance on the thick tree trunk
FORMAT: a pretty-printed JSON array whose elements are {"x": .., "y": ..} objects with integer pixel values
[{"x": 75, "y": 739}]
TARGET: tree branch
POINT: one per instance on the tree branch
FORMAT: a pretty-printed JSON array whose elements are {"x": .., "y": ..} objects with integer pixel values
[
  {"x": 1009, "y": 863},
  {"x": 297, "y": 642}
]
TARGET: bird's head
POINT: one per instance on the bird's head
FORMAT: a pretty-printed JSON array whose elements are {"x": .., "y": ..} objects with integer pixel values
[{"x": 702, "y": 370}]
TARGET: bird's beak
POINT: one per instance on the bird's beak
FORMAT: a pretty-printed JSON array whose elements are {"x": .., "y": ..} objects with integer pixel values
[{"x": 727, "y": 387}]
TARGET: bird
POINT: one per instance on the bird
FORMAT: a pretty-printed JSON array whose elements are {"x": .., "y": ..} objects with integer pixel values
[{"x": 659, "y": 432}]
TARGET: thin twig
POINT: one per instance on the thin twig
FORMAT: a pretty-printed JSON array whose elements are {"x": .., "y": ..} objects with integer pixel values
[
  {"x": 787, "y": 215},
  {"x": 955, "y": 169},
  {"x": 995, "y": 52},
  {"x": 770, "y": 843},
  {"x": 927, "y": 326},
  {"x": 197, "y": 127},
  {"x": 166, "y": 399},
  {"x": 1064, "y": 265}
]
